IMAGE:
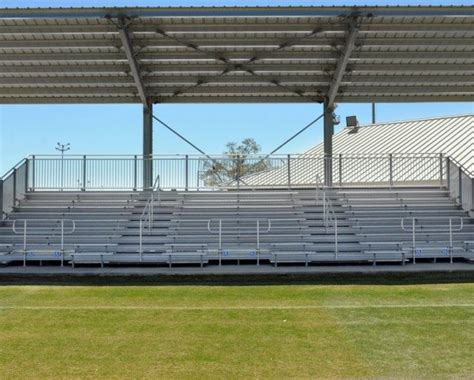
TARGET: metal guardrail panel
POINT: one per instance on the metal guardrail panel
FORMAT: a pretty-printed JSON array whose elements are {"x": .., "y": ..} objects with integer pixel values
[{"x": 216, "y": 172}]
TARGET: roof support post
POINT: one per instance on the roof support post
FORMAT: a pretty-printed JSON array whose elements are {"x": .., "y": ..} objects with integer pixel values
[
  {"x": 148, "y": 147},
  {"x": 343, "y": 60},
  {"x": 328, "y": 132},
  {"x": 135, "y": 70},
  {"x": 147, "y": 105}
]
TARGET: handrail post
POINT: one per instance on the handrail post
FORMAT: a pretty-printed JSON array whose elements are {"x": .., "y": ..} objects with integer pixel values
[
  {"x": 62, "y": 234},
  {"x": 24, "y": 235},
  {"x": 33, "y": 173},
  {"x": 340, "y": 169},
  {"x": 258, "y": 234},
  {"x": 325, "y": 211},
  {"x": 220, "y": 235},
  {"x": 335, "y": 238},
  {"x": 140, "y": 242},
  {"x": 441, "y": 176},
  {"x": 27, "y": 172},
  {"x": 14, "y": 188},
  {"x": 135, "y": 173},
  {"x": 238, "y": 171},
  {"x": 448, "y": 172},
  {"x": 62, "y": 242},
  {"x": 84, "y": 175},
  {"x": 460, "y": 185},
  {"x": 288, "y": 164},
  {"x": 450, "y": 241},
  {"x": 186, "y": 174},
  {"x": 413, "y": 240},
  {"x": 390, "y": 168}
]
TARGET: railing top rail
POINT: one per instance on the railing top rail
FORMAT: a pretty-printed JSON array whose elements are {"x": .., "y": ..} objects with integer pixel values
[
  {"x": 9, "y": 172},
  {"x": 57, "y": 224},
  {"x": 463, "y": 168},
  {"x": 217, "y": 156},
  {"x": 436, "y": 228}
]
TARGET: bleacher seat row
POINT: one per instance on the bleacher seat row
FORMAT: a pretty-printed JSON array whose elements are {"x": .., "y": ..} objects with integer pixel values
[{"x": 216, "y": 227}]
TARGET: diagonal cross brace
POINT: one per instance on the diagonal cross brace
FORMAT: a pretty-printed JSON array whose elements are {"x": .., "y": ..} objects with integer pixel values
[
  {"x": 229, "y": 67},
  {"x": 128, "y": 47},
  {"x": 342, "y": 62}
]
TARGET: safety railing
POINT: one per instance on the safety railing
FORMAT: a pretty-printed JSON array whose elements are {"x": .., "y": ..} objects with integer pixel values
[
  {"x": 258, "y": 230},
  {"x": 426, "y": 228},
  {"x": 460, "y": 182},
  {"x": 189, "y": 172},
  {"x": 147, "y": 217},
  {"x": 59, "y": 227},
  {"x": 329, "y": 215},
  {"x": 267, "y": 226}
]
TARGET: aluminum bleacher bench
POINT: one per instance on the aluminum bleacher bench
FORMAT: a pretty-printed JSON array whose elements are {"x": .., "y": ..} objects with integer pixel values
[
  {"x": 90, "y": 258},
  {"x": 377, "y": 256}
]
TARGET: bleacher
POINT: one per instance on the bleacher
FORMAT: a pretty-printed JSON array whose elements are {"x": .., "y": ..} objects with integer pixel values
[{"x": 237, "y": 226}]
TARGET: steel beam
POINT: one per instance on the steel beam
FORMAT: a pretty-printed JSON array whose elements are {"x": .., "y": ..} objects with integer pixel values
[
  {"x": 148, "y": 147},
  {"x": 135, "y": 70},
  {"x": 448, "y": 56},
  {"x": 231, "y": 98},
  {"x": 233, "y": 43},
  {"x": 208, "y": 12},
  {"x": 328, "y": 133},
  {"x": 343, "y": 60},
  {"x": 260, "y": 69}
]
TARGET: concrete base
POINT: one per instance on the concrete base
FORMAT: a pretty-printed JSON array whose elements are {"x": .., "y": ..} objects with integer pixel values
[{"x": 234, "y": 270}]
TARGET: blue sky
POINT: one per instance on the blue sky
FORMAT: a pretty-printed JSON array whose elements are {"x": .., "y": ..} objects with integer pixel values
[{"x": 117, "y": 129}]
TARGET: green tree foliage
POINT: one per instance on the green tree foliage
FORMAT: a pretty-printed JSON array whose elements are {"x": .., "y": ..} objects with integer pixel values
[{"x": 239, "y": 161}]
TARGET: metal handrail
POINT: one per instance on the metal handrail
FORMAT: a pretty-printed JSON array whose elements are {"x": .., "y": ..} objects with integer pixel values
[
  {"x": 329, "y": 216},
  {"x": 25, "y": 232},
  {"x": 460, "y": 166},
  {"x": 258, "y": 232},
  {"x": 149, "y": 212},
  {"x": 8, "y": 173},
  {"x": 449, "y": 230},
  {"x": 180, "y": 171}
]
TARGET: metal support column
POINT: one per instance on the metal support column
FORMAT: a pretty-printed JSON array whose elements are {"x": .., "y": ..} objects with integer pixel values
[
  {"x": 328, "y": 132},
  {"x": 148, "y": 147}
]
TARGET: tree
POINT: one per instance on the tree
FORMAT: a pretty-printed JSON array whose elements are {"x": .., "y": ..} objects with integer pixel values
[{"x": 239, "y": 160}]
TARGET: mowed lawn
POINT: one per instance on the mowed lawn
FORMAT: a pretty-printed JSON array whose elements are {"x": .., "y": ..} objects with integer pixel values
[{"x": 201, "y": 332}]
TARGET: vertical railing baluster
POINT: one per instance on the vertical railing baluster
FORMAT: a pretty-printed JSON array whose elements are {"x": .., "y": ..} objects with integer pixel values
[
  {"x": 14, "y": 187},
  {"x": 390, "y": 168},
  {"x": 441, "y": 177},
  {"x": 186, "y": 172},
  {"x": 135, "y": 172},
  {"x": 448, "y": 173},
  {"x": 340, "y": 170},
  {"x": 289, "y": 171},
  {"x": 84, "y": 174},
  {"x": 33, "y": 173}
]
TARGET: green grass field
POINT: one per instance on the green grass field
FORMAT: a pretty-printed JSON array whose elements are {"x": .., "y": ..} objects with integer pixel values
[{"x": 294, "y": 331}]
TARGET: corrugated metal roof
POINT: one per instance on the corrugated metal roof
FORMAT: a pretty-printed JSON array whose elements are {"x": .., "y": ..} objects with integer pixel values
[
  {"x": 453, "y": 136},
  {"x": 237, "y": 54},
  {"x": 426, "y": 138}
]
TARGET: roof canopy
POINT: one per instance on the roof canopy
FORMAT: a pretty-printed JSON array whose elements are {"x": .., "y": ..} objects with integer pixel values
[{"x": 238, "y": 54}]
